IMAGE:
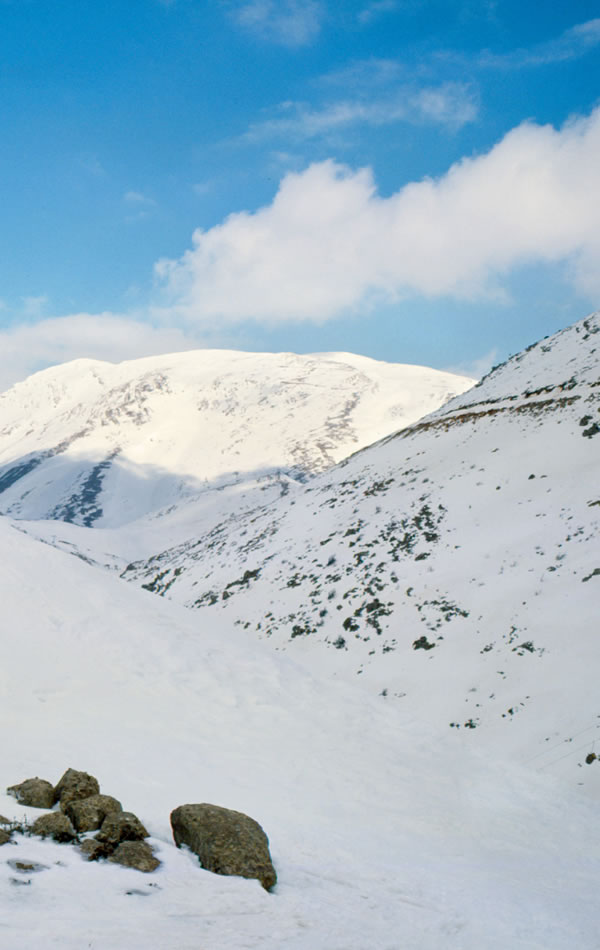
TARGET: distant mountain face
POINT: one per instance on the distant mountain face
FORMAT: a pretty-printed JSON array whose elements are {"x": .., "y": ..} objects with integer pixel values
[
  {"x": 454, "y": 566},
  {"x": 97, "y": 444}
]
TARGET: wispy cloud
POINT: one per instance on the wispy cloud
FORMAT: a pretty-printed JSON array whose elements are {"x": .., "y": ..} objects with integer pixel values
[
  {"x": 285, "y": 22},
  {"x": 450, "y": 104},
  {"x": 572, "y": 44},
  {"x": 329, "y": 243},
  {"x": 374, "y": 10},
  {"x": 138, "y": 198}
]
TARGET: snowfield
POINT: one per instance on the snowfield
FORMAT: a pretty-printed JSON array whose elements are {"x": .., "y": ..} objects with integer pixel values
[{"x": 391, "y": 665}]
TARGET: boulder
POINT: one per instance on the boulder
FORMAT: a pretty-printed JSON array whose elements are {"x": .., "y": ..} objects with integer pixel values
[
  {"x": 226, "y": 842},
  {"x": 54, "y": 825},
  {"x": 4, "y": 836},
  {"x": 73, "y": 786},
  {"x": 135, "y": 854},
  {"x": 5, "y": 821},
  {"x": 87, "y": 814},
  {"x": 35, "y": 792},
  {"x": 121, "y": 826}
]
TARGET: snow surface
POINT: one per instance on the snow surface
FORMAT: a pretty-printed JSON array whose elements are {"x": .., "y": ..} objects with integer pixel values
[
  {"x": 383, "y": 834},
  {"x": 415, "y": 799}
]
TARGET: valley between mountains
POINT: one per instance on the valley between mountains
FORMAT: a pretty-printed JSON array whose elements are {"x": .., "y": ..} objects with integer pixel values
[{"x": 357, "y": 601}]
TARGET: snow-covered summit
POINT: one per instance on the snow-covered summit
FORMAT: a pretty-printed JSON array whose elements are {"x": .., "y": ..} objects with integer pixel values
[{"x": 101, "y": 444}]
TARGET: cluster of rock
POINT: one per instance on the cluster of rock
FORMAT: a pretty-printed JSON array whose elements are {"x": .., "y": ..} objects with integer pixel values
[
  {"x": 225, "y": 841},
  {"x": 81, "y": 809}
]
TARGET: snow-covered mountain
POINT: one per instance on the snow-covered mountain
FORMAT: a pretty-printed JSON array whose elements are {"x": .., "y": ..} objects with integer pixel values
[
  {"x": 459, "y": 557},
  {"x": 391, "y": 665},
  {"x": 102, "y": 445}
]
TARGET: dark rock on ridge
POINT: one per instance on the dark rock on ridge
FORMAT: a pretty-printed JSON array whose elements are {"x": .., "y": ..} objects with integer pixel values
[
  {"x": 4, "y": 836},
  {"x": 34, "y": 792},
  {"x": 226, "y": 841}
]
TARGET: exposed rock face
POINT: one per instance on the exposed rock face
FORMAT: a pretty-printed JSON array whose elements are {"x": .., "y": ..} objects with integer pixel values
[
  {"x": 87, "y": 814},
  {"x": 4, "y": 821},
  {"x": 135, "y": 854},
  {"x": 4, "y": 836},
  {"x": 35, "y": 792},
  {"x": 226, "y": 842},
  {"x": 73, "y": 786},
  {"x": 121, "y": 826},
  {"x": 55, "y": 825}
]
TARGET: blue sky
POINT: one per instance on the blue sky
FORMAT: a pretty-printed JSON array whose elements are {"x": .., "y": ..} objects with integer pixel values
[{"x": 414, "y": 180}]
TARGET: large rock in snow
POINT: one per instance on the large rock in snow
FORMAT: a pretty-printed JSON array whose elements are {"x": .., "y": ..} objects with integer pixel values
[
  {"x": 87, "y": 814},
  {"x": 226, "y": 842},
  {"x": 73, "y": 786},
  {"x": 34, "y": 792}
]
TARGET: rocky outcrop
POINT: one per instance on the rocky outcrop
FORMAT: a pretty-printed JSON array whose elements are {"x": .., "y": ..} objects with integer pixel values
[
  {"x": 135, "y": 854},
  {"x": 34, "y": 792},
  {"x": 226, "y": 842},
  {"x": 87, "y": 814},
  {"x": 73, "y": 786},
  {"x": 4, "y": 836},
  {"x": 54, "y": 825}
]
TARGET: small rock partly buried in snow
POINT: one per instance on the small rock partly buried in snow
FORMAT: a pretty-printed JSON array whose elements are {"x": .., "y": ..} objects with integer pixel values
[
  {"x": 73, "y": 786},
  {"x": 34, "y": 792},
  {"x": 4, "y": 836},
  {"x": 226, "y": 842},
  {"x": 27, "y": 867},
  {"x": 92, "y": 849},
  {"x": 87, "y": 814},
  {"x": 55, "y": 825},
  {"x": 121, "y": 826},
  {"x": 4, "y": 821},
  {"x": 135, "y": 854}
]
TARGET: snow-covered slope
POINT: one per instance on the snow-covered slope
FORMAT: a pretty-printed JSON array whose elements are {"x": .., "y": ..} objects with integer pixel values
[
  {"x": 457, "y": 560},
  {"x": 385, "y": 832},
  {"x": 99, "y": 444}
]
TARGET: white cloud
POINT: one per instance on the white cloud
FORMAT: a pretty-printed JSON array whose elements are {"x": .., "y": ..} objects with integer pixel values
[
  {"x": 571, "y": 44},
  {"x": 328, "y": 243},
  {"x": 376, "y": 9},
  {"x": 285, "y": 22},
  {"x": 26, "y": 348},
  {"x": 452, "y": 104},
  {"x": 137, "y": 198}
]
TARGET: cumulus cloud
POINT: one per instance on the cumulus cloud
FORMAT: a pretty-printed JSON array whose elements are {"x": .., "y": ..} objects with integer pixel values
[
  {"x": 26, "y": 348},
  {"x": 451, "y": 104},
  {"x": 329, "y": 243},
  {"x": 285, "y": 22}
]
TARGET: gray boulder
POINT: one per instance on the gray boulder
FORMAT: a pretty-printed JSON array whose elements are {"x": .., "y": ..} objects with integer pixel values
[
  {"x": 87, "y": 814},
  {"x": 135, "y": 854},
  {"x": 54, "y": 825},
  {"x": 35, "y": 792},
  {"x": 121, "y": 826},
  {"x": 4, "y": 836},
  {"x": 226, "y": 842},
  {"x": 73, "y": 786}
]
